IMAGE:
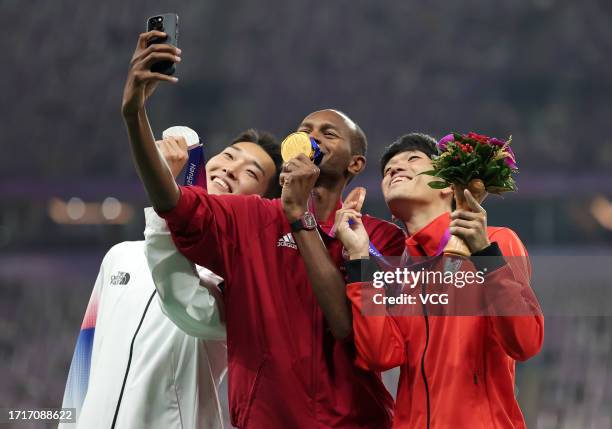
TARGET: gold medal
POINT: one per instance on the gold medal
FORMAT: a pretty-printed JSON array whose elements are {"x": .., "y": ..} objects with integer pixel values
[{"x": 296, "y": 143}]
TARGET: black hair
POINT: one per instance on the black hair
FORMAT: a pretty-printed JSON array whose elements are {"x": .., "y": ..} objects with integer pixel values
[
  {"x": 413, "y": 141},
  {"x": 270, "y": 145}
]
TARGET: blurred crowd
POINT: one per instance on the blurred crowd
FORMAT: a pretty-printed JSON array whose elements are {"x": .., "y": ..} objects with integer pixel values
[{"x": 536, "y": 69}]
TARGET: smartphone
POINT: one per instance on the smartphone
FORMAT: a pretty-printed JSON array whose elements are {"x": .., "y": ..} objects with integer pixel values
[{"x": 168, "y": 23}]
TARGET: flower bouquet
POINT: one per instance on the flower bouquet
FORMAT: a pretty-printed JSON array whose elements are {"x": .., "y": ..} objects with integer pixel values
[{"x": 479, "y": 163}]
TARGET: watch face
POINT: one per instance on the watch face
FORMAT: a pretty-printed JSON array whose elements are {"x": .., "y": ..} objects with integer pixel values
[{"x": 309, "y": 221}]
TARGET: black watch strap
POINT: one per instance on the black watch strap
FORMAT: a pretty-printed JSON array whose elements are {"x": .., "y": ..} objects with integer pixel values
[{"x": 297, "y": 225}]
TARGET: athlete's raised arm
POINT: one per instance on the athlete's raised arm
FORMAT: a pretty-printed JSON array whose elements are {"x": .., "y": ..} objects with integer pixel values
[
  {"x": 155, "y": 174},
  {"x": 298, "y": 178}
]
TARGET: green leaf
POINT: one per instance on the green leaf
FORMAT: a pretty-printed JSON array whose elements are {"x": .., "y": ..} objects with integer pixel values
[
  {"x": 472, "y": 162},
  {"x": 429, "y": 173},
  {"x": 438, "y": 185}
]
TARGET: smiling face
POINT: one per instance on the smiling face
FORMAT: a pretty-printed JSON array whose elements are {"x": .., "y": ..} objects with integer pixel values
[
  {"x": 241, "y": 168},
  {"x": 402, "y": 183},
  {"x": 333, "y": 132}
]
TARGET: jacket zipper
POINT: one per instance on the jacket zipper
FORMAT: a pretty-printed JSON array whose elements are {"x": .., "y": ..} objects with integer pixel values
[
  {"x": 127, "y": 369},
  {"x": 423, "y": 373}
]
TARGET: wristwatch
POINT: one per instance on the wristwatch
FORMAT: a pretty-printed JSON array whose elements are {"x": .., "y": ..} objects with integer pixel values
[{"x": 307, "y": 222}]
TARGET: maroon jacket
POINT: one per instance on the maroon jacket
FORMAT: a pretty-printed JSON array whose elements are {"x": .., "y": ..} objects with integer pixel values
[{"x": 285, "y": 369}]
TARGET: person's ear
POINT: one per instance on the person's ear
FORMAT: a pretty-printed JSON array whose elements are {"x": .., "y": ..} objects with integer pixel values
[
  {"x": 447, "y": 193},
  {"x": 357, "y": 164}
]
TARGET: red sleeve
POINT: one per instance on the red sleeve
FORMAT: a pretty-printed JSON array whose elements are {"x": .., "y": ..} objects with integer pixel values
[
  {"x": 211, "y": 229},
  {"x": 378, "y": 340},
  {"x": 388, "y": 238},
  {"x": 379, "y": 343},
  {"x": 521, "y": 331}
]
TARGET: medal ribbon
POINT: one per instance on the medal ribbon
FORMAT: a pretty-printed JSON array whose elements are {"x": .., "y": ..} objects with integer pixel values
[
  {"x": 443, "y": 242},
  {"x": 195, "y": 174}
]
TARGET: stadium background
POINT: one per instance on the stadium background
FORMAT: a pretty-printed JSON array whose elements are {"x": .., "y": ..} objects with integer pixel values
[{"x": 536, "y": 69}]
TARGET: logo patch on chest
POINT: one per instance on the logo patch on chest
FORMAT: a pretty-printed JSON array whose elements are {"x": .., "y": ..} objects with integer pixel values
[
  {"x": 120, "y": 278},
  {"x": 287, "y": 241}
]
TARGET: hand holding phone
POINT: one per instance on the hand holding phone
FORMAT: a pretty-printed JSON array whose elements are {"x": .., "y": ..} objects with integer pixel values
[
  {"x": 168, "y": 24},
  {"x": 141, "y": 79}
]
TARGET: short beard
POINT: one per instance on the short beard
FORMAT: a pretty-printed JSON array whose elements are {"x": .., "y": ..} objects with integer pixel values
[{"x": 329, "y": 178}]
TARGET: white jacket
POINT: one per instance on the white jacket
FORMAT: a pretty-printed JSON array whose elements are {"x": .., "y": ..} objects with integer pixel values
[
  {"x": 193, "y": 302},
  {"x": 141, "y": 370}
]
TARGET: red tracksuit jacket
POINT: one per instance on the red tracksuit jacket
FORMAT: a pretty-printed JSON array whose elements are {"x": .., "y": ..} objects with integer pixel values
[
  {"x": 285, "y": 369},
  {"x": 457, "y": 369}
]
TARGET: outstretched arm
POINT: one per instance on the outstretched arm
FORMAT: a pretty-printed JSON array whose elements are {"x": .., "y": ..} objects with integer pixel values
[{"x": 154, "y": 173}]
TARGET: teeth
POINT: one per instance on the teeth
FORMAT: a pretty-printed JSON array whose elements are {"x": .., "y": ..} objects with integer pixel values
[
  {"x": 221, "y": 183},
  {"x": 399, "y": 179}
]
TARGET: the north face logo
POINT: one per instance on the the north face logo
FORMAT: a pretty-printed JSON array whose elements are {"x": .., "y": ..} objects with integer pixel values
[
  {"x": 287, "y": 241},
  {"x": 120, "y": 278}
]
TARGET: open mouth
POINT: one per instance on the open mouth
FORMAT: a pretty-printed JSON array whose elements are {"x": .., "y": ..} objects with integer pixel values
[
  {"x": 222, "y": 184},
  {"x": 399, "y": 179}
]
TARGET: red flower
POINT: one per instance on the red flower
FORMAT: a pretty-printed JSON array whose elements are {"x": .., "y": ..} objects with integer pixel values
[
  {"x": 478, "y": 137},
  {"x": 466, "y": 148}
]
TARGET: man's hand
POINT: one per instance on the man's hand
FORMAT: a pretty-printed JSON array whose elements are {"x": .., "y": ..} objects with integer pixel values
[
  {"x": 141, "y": 81},
  {"x": 471, "y": 225},
  {"x": 174, "y": 151},
  {"x": 349, "y": 228},
  {"x": 298, "y": 177}
]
